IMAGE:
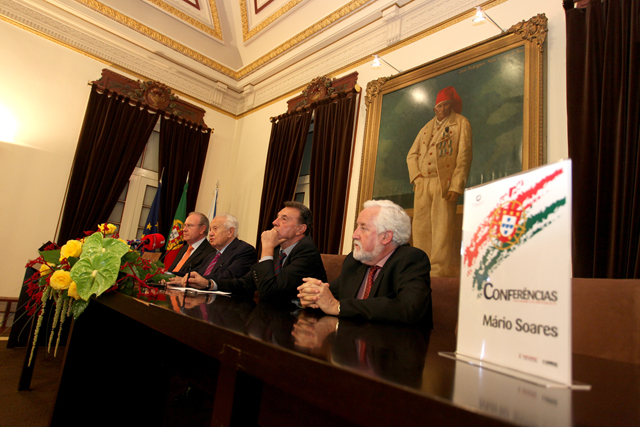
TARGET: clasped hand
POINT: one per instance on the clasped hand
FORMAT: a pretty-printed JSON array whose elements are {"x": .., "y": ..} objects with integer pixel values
[{"x": 315, "y": 294}]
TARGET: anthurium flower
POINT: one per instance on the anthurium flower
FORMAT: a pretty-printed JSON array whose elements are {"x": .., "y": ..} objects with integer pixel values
[
  {"x": 60, "y": 280},
  {"x": 73, "y": 291},
  {"x": 73, "y": 248},
  {"x": 107, "y": 228}
]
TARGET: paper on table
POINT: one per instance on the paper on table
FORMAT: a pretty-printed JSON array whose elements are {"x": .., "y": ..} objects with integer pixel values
[{"x": 200, "y": 291}]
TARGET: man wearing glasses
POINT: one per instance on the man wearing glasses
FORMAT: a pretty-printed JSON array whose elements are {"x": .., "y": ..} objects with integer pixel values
[{"x": 196, "y": 247}]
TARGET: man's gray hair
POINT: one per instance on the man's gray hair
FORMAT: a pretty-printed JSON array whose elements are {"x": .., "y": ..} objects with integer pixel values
[
  {"x": 391, "y": 217},
  {"x": 230, "y": 221}
]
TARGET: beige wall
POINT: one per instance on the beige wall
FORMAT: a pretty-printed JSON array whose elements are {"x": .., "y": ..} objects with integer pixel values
[{"x": 45, "y": 87}]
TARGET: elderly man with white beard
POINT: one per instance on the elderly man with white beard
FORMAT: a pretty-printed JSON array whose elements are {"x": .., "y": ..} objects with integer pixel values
[{"x": 383, "y": 278}]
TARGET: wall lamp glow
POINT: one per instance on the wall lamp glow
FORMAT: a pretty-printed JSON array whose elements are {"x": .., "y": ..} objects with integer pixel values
[
  {"x": 481, "y": 15},
  {"x": 8, "y": 125},
  {"x": 376, "y": 63}
]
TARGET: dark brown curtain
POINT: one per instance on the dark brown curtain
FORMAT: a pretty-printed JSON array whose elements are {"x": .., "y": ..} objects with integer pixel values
[
  {"x": 284, "y": 158},
  {"x": 330, "y": 162},
  {"x": 114, "y": 133},
  {"x": 603, "y": 103},
  {"x": 183, "y": 150}
]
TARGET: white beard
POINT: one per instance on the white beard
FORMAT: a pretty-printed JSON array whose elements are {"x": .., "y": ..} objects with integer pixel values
[{"x": 364, "y": 256}]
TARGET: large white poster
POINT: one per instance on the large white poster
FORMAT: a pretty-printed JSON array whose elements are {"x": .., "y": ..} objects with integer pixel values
[{"x": 515, "y": 285}]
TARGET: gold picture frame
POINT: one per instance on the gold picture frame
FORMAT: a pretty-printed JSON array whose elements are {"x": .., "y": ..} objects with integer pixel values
[{"x": 520, "y": 48}]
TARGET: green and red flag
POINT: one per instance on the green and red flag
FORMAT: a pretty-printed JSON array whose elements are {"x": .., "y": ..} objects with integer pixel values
[{"x": 175, "y": 237}]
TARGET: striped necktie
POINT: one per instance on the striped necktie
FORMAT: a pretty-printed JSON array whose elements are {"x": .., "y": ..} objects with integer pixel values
[
  {"x": 212, "y": 263},
  {"x": 278, "y": 265}
]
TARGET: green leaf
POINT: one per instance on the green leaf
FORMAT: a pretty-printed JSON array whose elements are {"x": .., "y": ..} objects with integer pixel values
[
  {"x": 96, "y": 244},
  {"x": 96, "y": 274},
  {"x": 72, "y": 260},
  {"x": 116, "y": 246},
  {"x": 92, "y": 245},
  {"x": 52, "y": 257},
  {"x": 131, "y": 257},
  {"x": 160, "y": 276},
  {"x": 78, "y": 307},
  {"x": 140, "y": 272}
]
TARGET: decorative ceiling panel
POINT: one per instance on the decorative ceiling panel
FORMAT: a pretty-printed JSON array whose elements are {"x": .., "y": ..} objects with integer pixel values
[{"x": 200, "y": 14}]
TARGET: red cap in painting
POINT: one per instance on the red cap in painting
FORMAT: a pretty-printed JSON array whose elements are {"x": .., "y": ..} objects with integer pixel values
[{"x": 449, "y": 94}]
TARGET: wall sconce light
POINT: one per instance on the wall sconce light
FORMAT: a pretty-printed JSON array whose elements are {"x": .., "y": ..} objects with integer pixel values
[
  {"x": 8, "y": 125},
  {"x": 376, "y": 63},
  {"x": 481, "y": 15}
]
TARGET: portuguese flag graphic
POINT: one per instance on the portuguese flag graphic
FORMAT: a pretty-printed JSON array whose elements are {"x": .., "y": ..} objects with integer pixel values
[{"x": 518, "y": 217}]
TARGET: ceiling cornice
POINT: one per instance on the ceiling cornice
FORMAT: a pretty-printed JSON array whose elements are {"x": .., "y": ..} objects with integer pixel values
[{"x": 338, "y": 52}]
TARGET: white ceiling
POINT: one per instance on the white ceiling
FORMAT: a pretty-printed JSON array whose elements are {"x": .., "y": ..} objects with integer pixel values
[{"x": 232, "y": 55}]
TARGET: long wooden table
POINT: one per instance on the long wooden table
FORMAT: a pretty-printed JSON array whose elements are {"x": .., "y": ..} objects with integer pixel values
[{"x": 181, "y": 361}]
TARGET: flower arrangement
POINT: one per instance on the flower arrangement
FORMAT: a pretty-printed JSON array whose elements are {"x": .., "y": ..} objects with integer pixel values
[{"x": 92, "y": 265}]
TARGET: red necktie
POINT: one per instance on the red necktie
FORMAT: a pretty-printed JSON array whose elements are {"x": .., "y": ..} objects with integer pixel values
[
  {"x": 184, "y": 258},
  {"x": 372, "y": 273},
  {"x": 212, "y": 264}
]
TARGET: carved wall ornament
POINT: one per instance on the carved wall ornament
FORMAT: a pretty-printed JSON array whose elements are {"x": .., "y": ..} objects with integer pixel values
[
  {"x": 154, "y": 94},
  {"x": 373, "y": 90},
  {"x": 533, "y": 30},
  {"x": 321, "y": 88},
  {"x": 318, "y": 89}
]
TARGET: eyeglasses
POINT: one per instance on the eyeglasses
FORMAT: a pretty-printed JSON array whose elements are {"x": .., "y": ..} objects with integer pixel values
[{"x": 192, "y": 225}]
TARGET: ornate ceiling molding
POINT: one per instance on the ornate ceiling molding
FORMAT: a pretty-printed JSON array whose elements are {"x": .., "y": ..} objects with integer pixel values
[
  {"x": 299, "y": 38},
  {"x": 248, "y": 34},
  {"x": 214, "y": 32},
  {"x": 160, "y": 38}
]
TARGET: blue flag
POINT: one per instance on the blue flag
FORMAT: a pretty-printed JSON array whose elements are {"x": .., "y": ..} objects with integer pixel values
[{"x": 151, "y": 226}]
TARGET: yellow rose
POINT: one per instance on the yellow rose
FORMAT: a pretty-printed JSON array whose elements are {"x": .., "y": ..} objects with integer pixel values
[
  {"x": 45, "y": 270},
  {"x": 73, "y": 248},
  {"x": 107, "y": 228},
  {"x": 60, "y": 280},
  {"x": 73, "y": 291}
]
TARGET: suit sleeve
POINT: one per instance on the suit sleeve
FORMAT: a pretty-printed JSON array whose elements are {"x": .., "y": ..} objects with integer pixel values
[
  {"x": 305, "y": 261},
  {"x": 241, "y": 286},
  {"x": 404, "y": 294}
]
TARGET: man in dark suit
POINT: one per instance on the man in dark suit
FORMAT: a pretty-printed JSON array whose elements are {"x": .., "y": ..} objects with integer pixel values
[
  {"x": 288, "y": 254},
  {"x": 196, "y": 247},
  {"x": 232, "y": 257},
  {"x": 383, "y": 278}
]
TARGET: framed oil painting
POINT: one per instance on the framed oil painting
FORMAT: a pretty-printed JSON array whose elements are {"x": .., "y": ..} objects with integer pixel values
[
  {"x": 500, "y": 83},
  {"x": 498, "y": 87}
]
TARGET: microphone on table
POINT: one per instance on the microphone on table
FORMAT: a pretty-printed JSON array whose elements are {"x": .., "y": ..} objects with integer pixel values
[{"x": 150, "y": 242}]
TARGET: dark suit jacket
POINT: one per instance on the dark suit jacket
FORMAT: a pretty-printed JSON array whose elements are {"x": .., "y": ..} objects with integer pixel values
[
  {"x": 194, "y": 261},
  {"x": 233, "y": 262},
  {"x": 400, "y": 293},
  {"x": 304, "y": 261}
]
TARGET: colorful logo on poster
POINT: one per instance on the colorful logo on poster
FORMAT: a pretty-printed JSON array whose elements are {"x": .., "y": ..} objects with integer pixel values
[
  {"x": 508, "y": 224},
  {"x": 522, "y": 212}
]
